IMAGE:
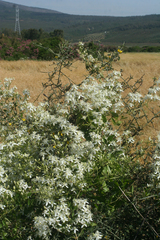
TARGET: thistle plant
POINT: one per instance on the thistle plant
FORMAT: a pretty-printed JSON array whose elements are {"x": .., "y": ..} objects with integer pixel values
[{"x": 66, "y": 165}]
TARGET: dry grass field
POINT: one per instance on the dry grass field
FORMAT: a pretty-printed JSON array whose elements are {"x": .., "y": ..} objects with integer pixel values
[
  {"x": 148, "y": 66},
  {"x": 138, "y": 65},
  {"x": 31, "y": 74}
]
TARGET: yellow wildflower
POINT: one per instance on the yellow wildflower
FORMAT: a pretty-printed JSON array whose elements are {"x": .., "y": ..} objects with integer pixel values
[
  {"x": 10, "y": 124},
  {"x": 23, "y": 119},
  {"x": 54, "y": 146},
  {"x": 119, "y": 50},
  {"x": 60, "y": 133}
]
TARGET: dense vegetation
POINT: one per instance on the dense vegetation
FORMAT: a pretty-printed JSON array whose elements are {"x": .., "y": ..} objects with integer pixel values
[
  {"x": 73, "y": 167},
  {"x": 139, "y": 29},
  {"x": 37, "y": 44},
  {"x": 13, "y": 48}
]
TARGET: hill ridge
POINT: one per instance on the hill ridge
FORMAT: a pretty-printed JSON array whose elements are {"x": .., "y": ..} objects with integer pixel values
[
  {"x": 29, "y": 8},
  {"x": 107, "y": 29}
]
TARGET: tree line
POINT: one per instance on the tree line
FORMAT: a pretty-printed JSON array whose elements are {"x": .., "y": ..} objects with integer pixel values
[{"x": 32, "y": 33}]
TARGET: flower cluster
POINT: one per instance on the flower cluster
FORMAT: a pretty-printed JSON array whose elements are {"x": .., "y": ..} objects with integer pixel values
[
  {"x": 93, "y": 103},
  {"x": 95, "y": 60},
  {"x": 15, "y": 49},
  {"x": 156, "y": 163},
  {"x": 48, "y": 154}
]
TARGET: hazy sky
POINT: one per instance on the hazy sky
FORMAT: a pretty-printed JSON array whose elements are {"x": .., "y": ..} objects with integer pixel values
[{"x": 97, "y": 7}]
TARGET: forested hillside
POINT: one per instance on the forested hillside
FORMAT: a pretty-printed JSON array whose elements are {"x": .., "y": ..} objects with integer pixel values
[{"x": 138, "y": 29}]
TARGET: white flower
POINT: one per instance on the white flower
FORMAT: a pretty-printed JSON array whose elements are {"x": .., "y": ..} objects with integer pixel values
[
  {"x": 126, "y": 133},
  {"x": 84, "y": 215},
  {"x": 29, "y": 238},
  {"x": 68, "y": 173},
  {"x": 1, "y": 172},
  {"x": 41, "y": 225},
  {"x": 5, "y": 191},
  {"x": 135, "y": 97},
  {"x": 95, "y": 236},
  {"x": 2, "y": 146},
  {"x": 98, "y": 235},
  {"x": 81, "y": 44},
  {"x": 90, "y": 58},
  {"x": 2, "y": 206},
  {"x": 130, "y": 140},
  {"x": 26, "y": 92},
  {"x": 23, "y": 185}
]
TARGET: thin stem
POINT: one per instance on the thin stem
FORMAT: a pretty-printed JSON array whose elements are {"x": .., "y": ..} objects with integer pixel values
[{"x": 139, "y": 213}]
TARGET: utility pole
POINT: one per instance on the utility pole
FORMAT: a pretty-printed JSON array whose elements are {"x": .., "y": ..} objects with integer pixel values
[{"x": 17, "y": 24}]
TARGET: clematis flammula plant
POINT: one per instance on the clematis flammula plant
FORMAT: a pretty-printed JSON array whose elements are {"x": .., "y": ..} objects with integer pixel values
[
  {"x": 48, "y": 155},
  {"x": 56, "y": 175},
  {"x": 44, "y": 159},
  {"x": 90, "y": 106}
]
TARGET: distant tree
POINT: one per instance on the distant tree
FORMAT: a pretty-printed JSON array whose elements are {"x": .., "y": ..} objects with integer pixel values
[
  {"x": 43, "y": 34},
  {"x": 57, "y": 33},
  {"x": 41, "y": 31},
  {"x": 31, "y": 33},
  {"x": 8, "y": 32}
]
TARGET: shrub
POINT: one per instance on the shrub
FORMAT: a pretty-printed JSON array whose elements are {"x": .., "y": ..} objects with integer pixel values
[
  {"x": 16, "y": 48},
  {"x": 141, "y": 49},
  {"x": 70, "y": 168}
]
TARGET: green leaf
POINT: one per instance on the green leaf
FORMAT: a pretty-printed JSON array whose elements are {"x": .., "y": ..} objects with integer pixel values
[
  {"x": 114, "y": 122},
  {"x": 105, "y": 170},
  {"x": 109, "y": 170},
  {"x": 105, "y": 188},
  {"x": 29, "y": 202},
  {"x": 104, "y": 118},
  {"x": 119, "y": 123},
  {"x": 4, "y": 224},
  {"x": 4, "y": 235},
  {"x": 93, "y": 224},
  {"x": 114, "y": 115},
  {"x": 110, "y": 138}
]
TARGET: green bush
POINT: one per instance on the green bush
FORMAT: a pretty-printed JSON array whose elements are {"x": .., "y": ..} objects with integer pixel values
[
  {"x": 49, "y": 43},
  {"x": 70, "y": 168},
  {"x": 141, "y": 49},
  {"x": 16, "y": 48}
]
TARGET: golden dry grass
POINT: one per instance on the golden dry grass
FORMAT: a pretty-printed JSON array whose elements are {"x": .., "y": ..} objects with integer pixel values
[
  {"x": 148, "y": 66},
  {"x": 139, "y": 64},
  {"x": 31, "y": 74},
  {"x": 26, "y": 74}
]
